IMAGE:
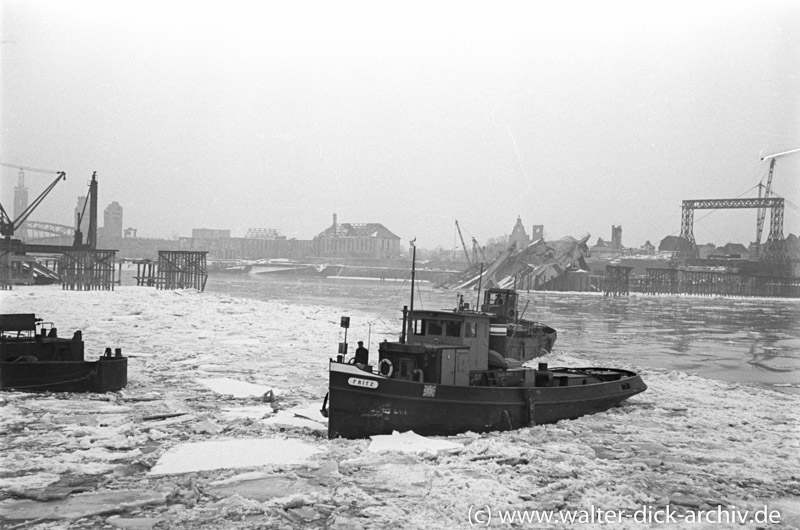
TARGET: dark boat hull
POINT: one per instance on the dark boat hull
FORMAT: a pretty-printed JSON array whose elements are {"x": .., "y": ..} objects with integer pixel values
[
  {"x": 362, "y": 404},
  {"x": 105, "y": 375}
]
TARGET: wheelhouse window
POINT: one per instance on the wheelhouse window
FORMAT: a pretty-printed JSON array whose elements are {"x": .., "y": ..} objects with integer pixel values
[
  {"x": 470, "y": 330},
  {"x": 452, "y": 329},
  {"x": 434, "y": 327}
]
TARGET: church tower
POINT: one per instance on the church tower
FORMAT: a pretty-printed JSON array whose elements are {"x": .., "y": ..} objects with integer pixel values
[{"x": 518, "y": 236}]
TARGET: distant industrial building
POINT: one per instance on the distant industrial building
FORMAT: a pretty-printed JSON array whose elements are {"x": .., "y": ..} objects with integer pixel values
[
  {"x": 340, "y": 240},
  {"x": 259, "y": 243},
  {"x": 263, "y": 233},
  {"x": 346, "y": 240},
  {"x": 605, "y": 249},
  {"x": 112, "y": 222},
  {"x": 708, "y": 250},
  {"x": 208, "y": 233}
]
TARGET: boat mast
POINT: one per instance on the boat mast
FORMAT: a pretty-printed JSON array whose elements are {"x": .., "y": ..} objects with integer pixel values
[
  {"x": 480, "y": 281},
  {"x": 413, "y": 271},
  {"x": 406, "y": 310}
]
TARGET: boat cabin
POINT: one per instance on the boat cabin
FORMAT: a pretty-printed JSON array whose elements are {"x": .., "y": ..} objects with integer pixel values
[
  {"x": 447, "y": 365},
  {"x": 441, "y": 347},
  {"x": 470, "y": 330},
  {"x": 454, "y": 348},
  {"x": 23, "y": 336}
]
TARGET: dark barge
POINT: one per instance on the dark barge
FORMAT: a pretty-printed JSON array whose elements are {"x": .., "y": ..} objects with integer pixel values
[{"x": 33, "y": 358}]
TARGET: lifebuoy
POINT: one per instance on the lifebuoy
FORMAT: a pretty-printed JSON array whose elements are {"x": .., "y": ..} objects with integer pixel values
[
  {"x": 389, "y": 369},
  {"x": 510, "y": 313}
]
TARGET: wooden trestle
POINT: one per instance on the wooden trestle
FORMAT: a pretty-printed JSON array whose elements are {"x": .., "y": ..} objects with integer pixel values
[{"x": 88, "y": 270}]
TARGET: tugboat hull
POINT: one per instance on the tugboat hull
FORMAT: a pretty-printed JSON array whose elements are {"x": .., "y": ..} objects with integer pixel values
[{"x": 362, "y": 403}]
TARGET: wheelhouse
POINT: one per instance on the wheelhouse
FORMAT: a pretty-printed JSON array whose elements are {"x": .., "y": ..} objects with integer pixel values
[
  {"x": 469, "y": 330},
  {"x": 426, "y": 363},
  {"x": 440, "y": 347},
  {"x": 501, "y": 303}
]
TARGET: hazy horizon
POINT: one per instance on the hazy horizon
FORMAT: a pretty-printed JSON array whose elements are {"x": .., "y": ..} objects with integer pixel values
[{"x": 245, "y": 115}]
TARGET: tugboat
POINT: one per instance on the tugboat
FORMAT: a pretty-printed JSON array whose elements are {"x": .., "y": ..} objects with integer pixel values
[
  {"x": 443, "y": 378},
  {"x": 33, "y": 358}
]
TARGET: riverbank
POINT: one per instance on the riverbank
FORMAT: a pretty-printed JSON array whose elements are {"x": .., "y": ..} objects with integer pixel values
[{"x": 247, "y": 376}]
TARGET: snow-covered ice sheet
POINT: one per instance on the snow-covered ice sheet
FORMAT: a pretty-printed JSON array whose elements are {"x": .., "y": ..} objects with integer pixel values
[
  {"x": 303, "y": 417},
  {"x": 232, "y": 387},
  {"x": 232, "y": 454},
  {"x": 410, "y": 442}
]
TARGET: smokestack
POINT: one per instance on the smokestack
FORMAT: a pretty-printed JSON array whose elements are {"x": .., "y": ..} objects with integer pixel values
[
  {"x": 334, "y": 221},
  {"x": 616, "y": 237}
]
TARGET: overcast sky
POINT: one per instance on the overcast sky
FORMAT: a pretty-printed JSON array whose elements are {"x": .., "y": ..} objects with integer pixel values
[{"x": 232, "y": 115}]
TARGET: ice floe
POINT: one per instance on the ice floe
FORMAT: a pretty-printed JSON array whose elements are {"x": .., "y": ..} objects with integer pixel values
[
  {"x": 410, "y": 442},
  {"x": 232, "y": 387},
  {"x": 232, "y": 454}
]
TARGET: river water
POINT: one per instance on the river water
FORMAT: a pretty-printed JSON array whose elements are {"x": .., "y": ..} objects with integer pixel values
[{"x": 745, "y": 340}]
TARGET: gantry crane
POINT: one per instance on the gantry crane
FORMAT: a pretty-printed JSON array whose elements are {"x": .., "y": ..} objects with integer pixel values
[{"x": 775, "y": 247}]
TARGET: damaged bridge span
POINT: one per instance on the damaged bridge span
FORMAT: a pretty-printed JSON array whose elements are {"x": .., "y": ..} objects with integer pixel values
[{"x": 534, "y": 267}]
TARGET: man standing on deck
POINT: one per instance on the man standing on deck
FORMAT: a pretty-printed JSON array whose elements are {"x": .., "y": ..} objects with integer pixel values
[{"x": 362, "y": 354}]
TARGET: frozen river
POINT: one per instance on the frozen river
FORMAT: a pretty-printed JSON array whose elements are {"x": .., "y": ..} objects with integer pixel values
[
  {"x": 219, "y": 425},
  {"x": 739, "y": 340}
]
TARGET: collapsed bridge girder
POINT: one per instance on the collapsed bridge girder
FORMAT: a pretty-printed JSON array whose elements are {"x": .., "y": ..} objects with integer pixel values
[
  {"x": 538, "y": 275},
  {"x": 536, "y": 264}
]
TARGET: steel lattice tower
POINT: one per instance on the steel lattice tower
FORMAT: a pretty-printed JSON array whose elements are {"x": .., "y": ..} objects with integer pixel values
[{"x": 775, "y": 247}]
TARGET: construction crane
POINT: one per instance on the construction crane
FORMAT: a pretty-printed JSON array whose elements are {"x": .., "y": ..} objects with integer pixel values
[
  {"x": 9, "y": 226},
  {"x": 463, "y": 245},
  {"x": 762, "y": 212},
  {"x": 477, "y": 248}
]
